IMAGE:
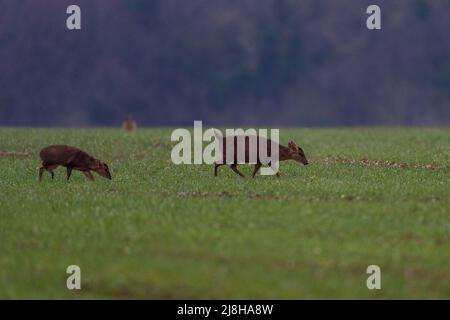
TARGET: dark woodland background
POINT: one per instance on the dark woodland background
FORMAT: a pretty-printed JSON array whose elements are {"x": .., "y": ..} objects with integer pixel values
[{"x": 226, "y": 62}]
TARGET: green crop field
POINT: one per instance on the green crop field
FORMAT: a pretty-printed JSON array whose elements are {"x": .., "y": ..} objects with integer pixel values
[{"x": 370, "y": 196}]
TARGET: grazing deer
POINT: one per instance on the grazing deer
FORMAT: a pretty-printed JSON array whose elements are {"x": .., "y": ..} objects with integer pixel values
[
  {"x": 291, "y": 152},
  {"x": 71, "y": 158},
  {"x": 129, "y": 123}
]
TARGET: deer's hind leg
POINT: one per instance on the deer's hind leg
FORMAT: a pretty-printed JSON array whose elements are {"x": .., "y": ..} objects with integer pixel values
[
  {"x": 41, "y": 172},
  {"x": 216, "y": 166},
  {"x": 235, "y": 169},
  {"x": 48, "y": 168},
  {"x": 51, "y": 168}
]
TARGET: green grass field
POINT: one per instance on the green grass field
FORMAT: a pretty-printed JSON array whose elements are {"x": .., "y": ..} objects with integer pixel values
[{"x": 160, "y": 231}]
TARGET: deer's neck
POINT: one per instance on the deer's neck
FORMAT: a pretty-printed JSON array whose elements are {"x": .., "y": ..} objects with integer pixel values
[{"x": 284, "y": 153}]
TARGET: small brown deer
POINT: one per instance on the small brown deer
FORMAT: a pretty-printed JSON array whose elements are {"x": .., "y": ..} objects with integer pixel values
[
  {"x": 291, "y": 152},
  {"x": 129, "y": 124},
  {"x": 71, "y": 158}
]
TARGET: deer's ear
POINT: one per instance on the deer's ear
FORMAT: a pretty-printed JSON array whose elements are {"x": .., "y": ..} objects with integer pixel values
[{"x": 292, "y": 145}]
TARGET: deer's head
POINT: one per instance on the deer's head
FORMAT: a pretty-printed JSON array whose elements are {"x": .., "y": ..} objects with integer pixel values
[
  {"x": 296, "y": 153},
  {"x": 102, "y": 169}
]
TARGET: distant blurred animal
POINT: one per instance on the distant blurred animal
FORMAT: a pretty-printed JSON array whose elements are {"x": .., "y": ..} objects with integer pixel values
[
  {"x": 71, "y": 158},
  {"x": 291, "y": 152},
  {"x": 129, "y": 123}
]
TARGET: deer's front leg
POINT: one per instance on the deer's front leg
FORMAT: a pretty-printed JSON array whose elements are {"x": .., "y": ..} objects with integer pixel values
[
  {"x": 89, "y": 175},
  {"x": 69, "y": 172},
  {"x": 255, "y": 170}
]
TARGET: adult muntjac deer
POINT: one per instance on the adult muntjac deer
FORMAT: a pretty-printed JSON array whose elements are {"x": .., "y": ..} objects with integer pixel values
[
  {"x": 71, "y": 158},
  {"x": 291, "y": 152},
  {"x": 129, "y": 123}
]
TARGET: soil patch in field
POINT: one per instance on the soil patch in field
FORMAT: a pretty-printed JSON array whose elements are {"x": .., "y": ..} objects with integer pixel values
[
  {"x": 252, "y": 195},
  {"x": 380, "y": 163},
  {"x": 14, "y": 154},
  {"x": 225, "y": 194}
]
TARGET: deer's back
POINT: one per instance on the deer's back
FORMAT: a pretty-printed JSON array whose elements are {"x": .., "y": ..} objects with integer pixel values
[
  {"x": 246, "y": 145},
  {"x": 62, "y": 154}
]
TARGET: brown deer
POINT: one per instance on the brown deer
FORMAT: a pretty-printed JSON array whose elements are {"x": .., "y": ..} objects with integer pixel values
[
  {"x": 129, "y": 123},
  {"x": 71, "y": 158},
  {"x": 291, "y": 152}
]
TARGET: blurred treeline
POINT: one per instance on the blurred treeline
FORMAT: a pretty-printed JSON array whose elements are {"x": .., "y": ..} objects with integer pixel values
[{"x": 226, "y": 62}]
